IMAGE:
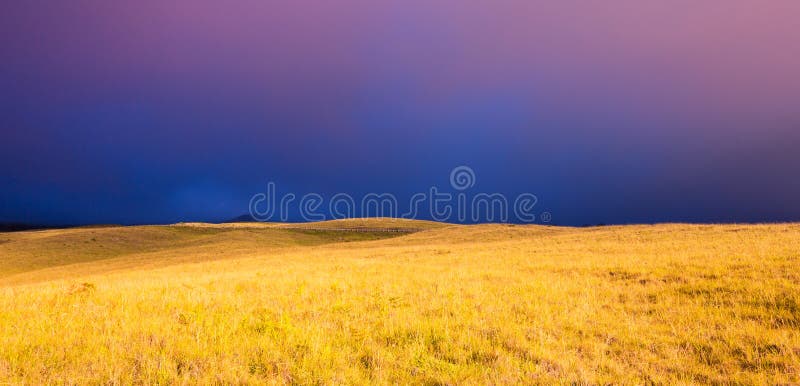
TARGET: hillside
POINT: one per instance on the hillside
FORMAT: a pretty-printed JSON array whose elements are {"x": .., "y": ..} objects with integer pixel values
[
  {"x": 439, "y": 304},
  {"x": 50, "y": 254}
]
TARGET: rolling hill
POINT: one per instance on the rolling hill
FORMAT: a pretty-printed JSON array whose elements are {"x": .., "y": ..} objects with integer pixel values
[{"x": 357, "y": 301}]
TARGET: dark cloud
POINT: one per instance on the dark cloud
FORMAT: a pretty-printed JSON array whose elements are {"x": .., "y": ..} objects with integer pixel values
[{"x": 616, "y": 111}]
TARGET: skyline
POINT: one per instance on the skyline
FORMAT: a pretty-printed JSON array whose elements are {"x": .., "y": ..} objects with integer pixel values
[{"x": 612, "y": 112}]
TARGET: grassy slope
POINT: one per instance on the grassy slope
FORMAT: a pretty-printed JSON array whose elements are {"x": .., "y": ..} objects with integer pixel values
[
  {"x": 452, "y": 304},
  {"x": 45, "y": 255}
]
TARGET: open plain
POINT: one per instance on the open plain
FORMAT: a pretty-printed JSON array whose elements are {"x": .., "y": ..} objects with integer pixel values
[{"x": 344, "y": 302}]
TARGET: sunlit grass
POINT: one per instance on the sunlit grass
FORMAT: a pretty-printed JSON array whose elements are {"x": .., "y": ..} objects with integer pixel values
[{"x": 476, "y": 304}]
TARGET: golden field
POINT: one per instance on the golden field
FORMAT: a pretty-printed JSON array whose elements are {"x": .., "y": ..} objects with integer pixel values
[{"x": 482, "y": 304}]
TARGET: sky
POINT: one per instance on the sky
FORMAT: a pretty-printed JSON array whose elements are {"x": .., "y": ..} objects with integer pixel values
[{"x": 619, "y": 111}]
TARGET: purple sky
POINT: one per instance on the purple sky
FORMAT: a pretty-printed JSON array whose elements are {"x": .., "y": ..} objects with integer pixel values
[{"x": 609, "y": 111}]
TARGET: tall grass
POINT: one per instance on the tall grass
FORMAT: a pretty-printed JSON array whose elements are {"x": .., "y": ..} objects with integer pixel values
[{"x": 458, "y": 305}]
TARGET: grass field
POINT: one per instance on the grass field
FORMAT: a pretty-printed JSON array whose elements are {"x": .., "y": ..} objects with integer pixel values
[{"x": 482, "y": 304}]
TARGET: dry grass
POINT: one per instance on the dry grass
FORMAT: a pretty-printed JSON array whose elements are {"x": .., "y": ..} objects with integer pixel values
[{"x": 450, "y": 305}]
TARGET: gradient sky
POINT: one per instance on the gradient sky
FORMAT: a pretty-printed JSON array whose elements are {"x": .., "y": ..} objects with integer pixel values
[{"x": 612, "y": 111}]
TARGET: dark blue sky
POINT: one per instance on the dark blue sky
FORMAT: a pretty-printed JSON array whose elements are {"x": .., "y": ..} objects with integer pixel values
[{"x": 610, "y": 112}]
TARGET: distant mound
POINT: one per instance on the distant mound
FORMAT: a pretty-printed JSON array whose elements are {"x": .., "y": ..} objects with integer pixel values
[
  {"x": 242, "y": 218},
  {"x": 17, "y": 227},
  {"x": 372, "y": 223},
  {"x": 377, "y": 224}
]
